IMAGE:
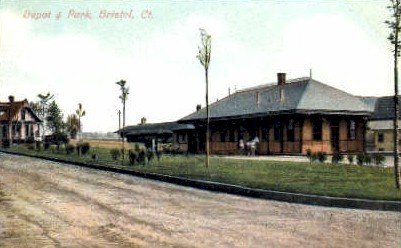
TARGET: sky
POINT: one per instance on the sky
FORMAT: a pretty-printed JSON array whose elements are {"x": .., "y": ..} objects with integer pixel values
[{"x": 68, "y": 49}]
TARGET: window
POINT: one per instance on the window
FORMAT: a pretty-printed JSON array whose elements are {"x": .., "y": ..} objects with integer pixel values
[
  {"x": 277, "y": 131},
  {"x": 265, "y": 133},
  {"x": 290, "y": 131},
  {"x": 223, "y": 136},
  {"x": 181, "y": 138},
  {"x": 381, "y": 137},
  {"x": 231, "y": 135},
  {"x": 26, "y": 130},
  {"x": 351, "y": 130},
  {"x": 317, "y": 129}
]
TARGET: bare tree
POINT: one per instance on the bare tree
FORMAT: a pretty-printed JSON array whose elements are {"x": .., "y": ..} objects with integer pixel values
[
  {"x": 123, "y": 97},
  {"x": 204, "y": 58},
  {"x": 394, "y": 25}
]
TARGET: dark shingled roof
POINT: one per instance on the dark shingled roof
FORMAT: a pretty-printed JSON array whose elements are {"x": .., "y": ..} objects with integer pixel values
[
  {"x": 384, "y": 108},
  {"x": 155, "y": 128},
  {"x": 302, "y": 95}
]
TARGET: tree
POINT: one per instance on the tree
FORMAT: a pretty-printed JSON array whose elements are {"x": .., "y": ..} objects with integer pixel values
[
  {"x": 43, "y": 103},
  {"x": 80, "y": 112},
  {"x": 54, "y": 118},
  {"x": 123, "y": 97},
  {"x": 73, "y": 125},
  {"x": 394, "y": 25},
  {"x": 204, "y": 58}
]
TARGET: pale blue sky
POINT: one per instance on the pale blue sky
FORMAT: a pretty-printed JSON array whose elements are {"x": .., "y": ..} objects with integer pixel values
[{"x": 344, "y": 42}]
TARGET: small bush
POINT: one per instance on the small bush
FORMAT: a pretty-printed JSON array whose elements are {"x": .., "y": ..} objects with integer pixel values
[
  {"x": 350, "y": 158},
  {"x": 322, "y": 157},
  {"x": 309, "y": 155},
  {"x": 115, "y": 154},
  {"x": 133, "y": 157},
  {"x": 69, "y": 148},
  {"x": 150, "y": 155},
  {"x": 95, "y": 157},
  {"x": 30, "y": 140},
  {"x": 367, "y": 159},
  {"x": 337, "y": 158},
  {"x": 137, "y": 148},
  {"x": 85, "y": 148},
  {"x": 159, "y": 155},
  {"x": 379, "y": 159},
  {"x": 6, "y": 143},
  {"x": 31, "y": 146},
  {"x": 142, "y": 157},
  {"x": 360, "y": 158},
  {"x": 46, "y": 145}
]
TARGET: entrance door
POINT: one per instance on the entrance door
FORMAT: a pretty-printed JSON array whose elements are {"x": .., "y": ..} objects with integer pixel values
[{"x": 335, "y": 138}]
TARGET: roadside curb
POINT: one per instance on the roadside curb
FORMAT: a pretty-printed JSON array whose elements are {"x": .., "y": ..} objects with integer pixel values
[{"x": 326, "y": 201}]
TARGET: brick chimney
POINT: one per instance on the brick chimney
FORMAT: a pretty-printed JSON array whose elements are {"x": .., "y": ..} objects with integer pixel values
[
  {"x": 198, "y": 107},
  {"x": 143, "y": 120},
  {"x": 280, "y": 78},
  {"x": 11, "y": 99}
]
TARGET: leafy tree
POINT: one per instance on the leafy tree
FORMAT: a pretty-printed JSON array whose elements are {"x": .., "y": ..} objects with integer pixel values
[
  {"x": 72, "y": 125},
  {"x": 54, "y": 118},
  {"x": 395, "y": 27},
  {"x": 80, "y": 112},
  {"x": 42, "y": 109},
  {"x": 204, "y": 58}
]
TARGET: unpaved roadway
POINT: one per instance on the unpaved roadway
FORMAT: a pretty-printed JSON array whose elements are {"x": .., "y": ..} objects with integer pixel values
[{"x": 46, "y": 204}]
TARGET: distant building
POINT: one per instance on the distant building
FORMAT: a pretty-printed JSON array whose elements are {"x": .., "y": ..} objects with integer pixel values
[
  {"x": 380, "y": 132},
  {"x": 18, "y": 122}
]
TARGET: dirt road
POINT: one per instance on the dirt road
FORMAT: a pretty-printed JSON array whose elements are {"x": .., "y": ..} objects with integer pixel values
[{"x": 46, "y": 204}]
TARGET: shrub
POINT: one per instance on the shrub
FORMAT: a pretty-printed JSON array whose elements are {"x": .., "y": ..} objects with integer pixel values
[
  {"x": 137, "y": 148},
  {"x": 142, "y": 157},
  {"x": 350, "y": 158},
  {"x": 322, "y": 157},
  {"x": 309, "y": 155},
  {"x": 6, "y": 143},
  {"x": 367, "y": 159},
  {"x": 30, "y": 140},
  {"x": 360, "y": 158},
  {"x": 31, "y": 146},
  {"x": 95, "y": 157},
  {"x": 150, "y": 155},
  {"x": 69, "y": 148},
  {"x": 46, "y": 145},
  {"x": 337, "y": 158},
  {"x": 159, "y": 155},
  {"x": 379, "y": 159},
  {"x": 133, "y": 157},
  {"x": 115, "y": 154},
  {"x": 85, "y": 148},
  {"x": 38, "y": 145}
]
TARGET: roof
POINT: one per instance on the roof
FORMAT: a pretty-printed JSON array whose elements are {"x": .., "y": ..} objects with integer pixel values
[
  {"x": 8, "y": 110},
  {"x": 384, "y": 108},
  {"x": 155, "y": 128},
  {"x": 301, "y": 95},
  {"x": 382, "y": 125}
]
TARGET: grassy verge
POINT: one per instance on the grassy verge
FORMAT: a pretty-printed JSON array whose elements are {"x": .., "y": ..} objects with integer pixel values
[{"x": 320, "y": 179}]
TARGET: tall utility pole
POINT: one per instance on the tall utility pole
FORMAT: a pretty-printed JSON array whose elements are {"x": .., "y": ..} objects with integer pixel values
[
  {"x": 123, "y": 97},
  {"x": 204, "y": 58},
  {"x": 394, "y": 25}
]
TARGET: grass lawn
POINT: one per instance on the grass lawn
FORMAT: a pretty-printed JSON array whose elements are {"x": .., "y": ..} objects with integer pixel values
[{"x": 298, "y": 177}]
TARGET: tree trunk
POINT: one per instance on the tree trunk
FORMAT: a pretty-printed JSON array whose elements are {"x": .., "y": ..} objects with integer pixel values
[
  {"x": 396, "y": 109},
  {"x": 123, "y": 134},
  {"x": 207, "y": 119}
]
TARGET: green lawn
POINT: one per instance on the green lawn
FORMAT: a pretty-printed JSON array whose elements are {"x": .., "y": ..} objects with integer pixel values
[{"x": 321, "y": 179}]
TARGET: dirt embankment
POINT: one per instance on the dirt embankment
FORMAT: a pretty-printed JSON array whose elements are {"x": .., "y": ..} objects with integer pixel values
[{"x": 47, "y": 204}]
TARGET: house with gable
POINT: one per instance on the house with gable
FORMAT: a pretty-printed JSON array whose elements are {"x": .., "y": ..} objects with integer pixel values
[{"x": 18, "y": 123}]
